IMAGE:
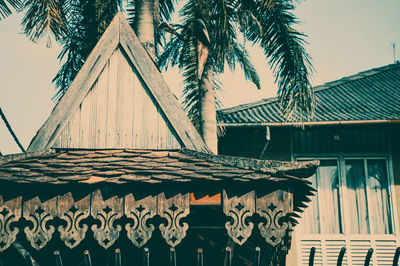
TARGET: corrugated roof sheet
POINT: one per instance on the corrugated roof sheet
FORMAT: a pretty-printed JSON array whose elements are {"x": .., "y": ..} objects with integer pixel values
[{"x": 366, "y": 96}]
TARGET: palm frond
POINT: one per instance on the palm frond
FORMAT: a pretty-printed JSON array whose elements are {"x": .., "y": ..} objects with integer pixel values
[
  {"x": 242, "y": 57},
  {"x": 284, "y": 47},
  {"x": 45, "y": 16},
  {"x": 5, "y": 10},
  {"x": 87, "y": 22}
]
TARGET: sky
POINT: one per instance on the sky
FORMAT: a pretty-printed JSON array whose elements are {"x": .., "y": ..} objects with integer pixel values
[{"x": 344, "y": 38}]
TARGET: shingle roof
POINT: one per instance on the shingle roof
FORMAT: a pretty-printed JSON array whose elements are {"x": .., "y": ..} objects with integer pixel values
[
  {"x": 144, "y": 166},
  {"x": 366, "y": 96}
]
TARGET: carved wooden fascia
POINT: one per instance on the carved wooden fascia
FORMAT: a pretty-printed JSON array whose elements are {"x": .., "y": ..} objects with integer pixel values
[
  {"x": 173, "y": 209},
  {"x": 140, "y": 211},
  {"x": 273, "y": 207},
  {"x": 107, "y": 212},
  {"x": 73, "y": 213},
  {"x": 239, "y": 209},
  {"x": 39, "y": 213},
  {"x": 10, "y": 211}
]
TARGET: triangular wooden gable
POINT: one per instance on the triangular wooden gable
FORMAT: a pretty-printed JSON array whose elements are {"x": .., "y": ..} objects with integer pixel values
[{"x": 118, "y": 99}]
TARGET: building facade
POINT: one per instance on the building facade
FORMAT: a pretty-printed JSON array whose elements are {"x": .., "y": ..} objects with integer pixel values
[{"x": 355, "y": 135}]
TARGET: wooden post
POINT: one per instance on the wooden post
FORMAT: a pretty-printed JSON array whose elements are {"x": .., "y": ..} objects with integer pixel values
[
  {"x": 172, "y": 257},
  {"x": 396, "y": 257},
  {"x": 228, "y": 257},
  {"x": 86, "y": 255},
  {"x": 118, "y": 261},
  {"x": 312, "y": 255},
  {"x": 341, "y": 256},
  {"x": 200, "y": 258},
  {"x": 257, "y": 257},
  {"x": 57, "y": 256},
  {"x": 28, "y": 259},
  {"x": 146, "y": 257},
  {"x": 368, "y": 257}
]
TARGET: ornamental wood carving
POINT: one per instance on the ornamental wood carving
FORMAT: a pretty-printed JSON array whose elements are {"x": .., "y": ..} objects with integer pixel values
[
  {"x": 140, "y": 211},
  {"x": 173, "y": 209},
  {"x": 10, "y": 211},
  {"x": 40, "y": 233},
  {"x": 107, "y": 212},
  {"x": 73, "y": 213},
  {"x": 273, "y": 207},
  {"x": 239, "y": 209}
]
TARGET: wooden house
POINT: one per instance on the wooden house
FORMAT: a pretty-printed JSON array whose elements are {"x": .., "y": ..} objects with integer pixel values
[
  {"x": 355, "y": 134},
  {"x": 118, "y": 164}
]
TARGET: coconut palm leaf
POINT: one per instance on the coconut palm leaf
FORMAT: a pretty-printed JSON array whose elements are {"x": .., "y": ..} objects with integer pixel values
[
  {"x": 284, "y": 47},
  {"x": 5, "y": 10}
]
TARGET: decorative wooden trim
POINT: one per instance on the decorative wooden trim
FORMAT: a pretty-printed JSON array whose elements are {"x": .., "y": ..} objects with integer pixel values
[
  {"x": 106, "y": 211},
  {"x": 173, "y": 209},
  {"x": 73, "y": 213},
  {"x": 239, "y": 209},
  {"x": 140, "y": 211},
  {"x": 273, "y": 207},
  {"x": 10, "y": 211},
  {"x": 39, "y": 214}
]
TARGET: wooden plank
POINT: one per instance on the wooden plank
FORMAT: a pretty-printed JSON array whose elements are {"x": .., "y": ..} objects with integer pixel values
[
  {"x": 85, "y": 118},
  {"x": 49, "y": 132},
  {"x": 101, "y": 109},
  {"x": 93, "y": 114},
  {"x": 127, "y": 103},
  {"x": 112, "y": 100},
  {"x": 119, "y": 101},
  {"x": 159, "y": 89}
]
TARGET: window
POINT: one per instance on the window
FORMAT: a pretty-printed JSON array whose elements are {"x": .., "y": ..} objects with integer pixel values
[{"x": 352, "y": 198}]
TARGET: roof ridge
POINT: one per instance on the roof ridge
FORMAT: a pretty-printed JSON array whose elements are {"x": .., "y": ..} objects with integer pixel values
[{"x": 318, "y": 88}]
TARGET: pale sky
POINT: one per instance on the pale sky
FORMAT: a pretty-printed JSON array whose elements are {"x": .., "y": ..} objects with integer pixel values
[{"x": 345, "y": 37}]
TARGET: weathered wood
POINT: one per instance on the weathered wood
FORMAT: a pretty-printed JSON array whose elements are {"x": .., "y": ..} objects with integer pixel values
[
  {"x": 112, "y": 120},
  {"x": 64, "y": 129},
  {"x": 78, "y": 89},
  {"x": 106, "y": 211},
  {"x": 73, "y": 213},
  {"x": 140, "y": 211},
  {"x": 239, "y": 209},
  {"x": 173, "y": 209},
  {"x": 39, "y": 214},
  {"x": 159, "y": 89},
  {"x": 10, "y": 211},
  {"x": 272, "y": 208}
]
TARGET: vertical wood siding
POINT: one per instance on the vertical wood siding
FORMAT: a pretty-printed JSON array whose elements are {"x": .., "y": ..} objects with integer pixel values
[{"x": 118, "y": 112}]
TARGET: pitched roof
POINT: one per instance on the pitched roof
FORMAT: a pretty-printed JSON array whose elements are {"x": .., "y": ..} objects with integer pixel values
[
  {"x": 141, "y": 170},
  {"x": 144, "y": 166},
  {"x": 372, "y": 95},
  {"x": 118, "y": 35}
]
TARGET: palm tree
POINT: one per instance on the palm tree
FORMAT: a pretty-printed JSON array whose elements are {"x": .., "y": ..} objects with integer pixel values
[
  {"x": 265, "y": 23},
  {"x": 78, "y": 24}
]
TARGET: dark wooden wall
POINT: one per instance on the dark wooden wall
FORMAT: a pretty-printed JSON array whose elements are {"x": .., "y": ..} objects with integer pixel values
[{"x": 250, "y": 142}]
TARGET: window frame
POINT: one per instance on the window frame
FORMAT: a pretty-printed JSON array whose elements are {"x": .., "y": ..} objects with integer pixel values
[{"x": 341, "y": 159}]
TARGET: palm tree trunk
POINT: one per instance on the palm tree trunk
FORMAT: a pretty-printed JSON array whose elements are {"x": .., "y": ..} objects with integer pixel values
[
  {"x": 208, "y": 115},
  {"x": 144, "y": 24}
]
